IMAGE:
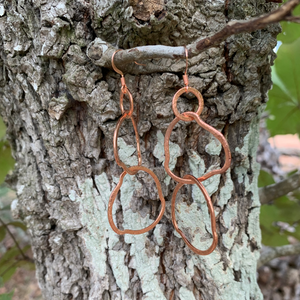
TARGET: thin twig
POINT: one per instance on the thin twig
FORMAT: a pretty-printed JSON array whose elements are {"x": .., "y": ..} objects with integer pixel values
[
  {"x": 294, "y": 19},
  {"x": 14, "y": 239},
  {"x": 270, "y": 253},
  {"x": 274, "y": 1},
  {"x": 279, "y": 189},
  {"x": 122, "y": 58}
]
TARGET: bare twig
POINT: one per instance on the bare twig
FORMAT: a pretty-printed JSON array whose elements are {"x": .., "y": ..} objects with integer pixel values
[
  {"x": 295, "y": 19},
  {"x": 274, "y": 1},
  {"x": 142, "y": 53},
  {"x": 236, "y": 27},
  {"x": 270, "y": 253},
  {"x": 14, "y": 239},
  {"x": 279, "y": 189}
]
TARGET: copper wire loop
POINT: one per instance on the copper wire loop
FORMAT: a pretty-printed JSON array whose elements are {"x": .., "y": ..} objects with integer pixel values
[
  {"x": 115, "y": 141},
  {"x": 207, "y": 127},
  {"x": 126, "y": 91},
  {"x": 130, "y": 170},
  {"x": 178, "y": 94},
  {"x": 212, "y": 217},
  {"x": 113, "y": 196}
]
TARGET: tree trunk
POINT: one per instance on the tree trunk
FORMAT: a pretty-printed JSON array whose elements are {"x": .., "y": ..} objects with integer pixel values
[{"x": 61, "y": 109}]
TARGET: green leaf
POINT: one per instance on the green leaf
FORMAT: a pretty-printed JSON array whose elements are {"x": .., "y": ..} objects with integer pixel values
[
  {"x": 2, "y": 233},
  {"x": 10, "y": 261},
  {"x": 282, "y": 210},
  {"x": 9, "y": 272},
  {"x": 8, "y": 256},
  {"x": 6, "y": 160},
  {"x": 285, "y": 210},
  {"x": 290, "y": 31},
  {"x": 18, "y": 224},
  {"x": 7, "y": 296},
  {"x": 265, "y": 178},
  {"x": 284, "y": 98},
  {"x": 2, "y": 129}
]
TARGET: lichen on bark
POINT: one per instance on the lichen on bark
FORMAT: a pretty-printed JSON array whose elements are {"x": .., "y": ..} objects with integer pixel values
[{"x": 61, "y": 106}]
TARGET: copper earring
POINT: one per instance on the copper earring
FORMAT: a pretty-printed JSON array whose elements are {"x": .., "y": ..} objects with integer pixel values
[
  {"x": 127, "y": 114},
  {"x": 189, "y": 179}
]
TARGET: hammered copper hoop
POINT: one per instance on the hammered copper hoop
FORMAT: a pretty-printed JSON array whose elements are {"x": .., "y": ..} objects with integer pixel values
[
  {"x": 113, "y": 196},
  {"x": 207, "y": 127},
  {"x": 187, "y": 89},
  {"x": 212, "y": 217}
]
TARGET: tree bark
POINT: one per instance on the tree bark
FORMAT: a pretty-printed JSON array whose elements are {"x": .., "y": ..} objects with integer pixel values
[{"x": 61, "y": 109}]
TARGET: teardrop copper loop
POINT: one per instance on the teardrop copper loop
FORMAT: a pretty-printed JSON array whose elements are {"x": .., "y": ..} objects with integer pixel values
[
  {"x": 130, "y": 170},
  {"x": 113, "y": 196},
  {"x": 116, "y": 133},
  {"x": 211, "y": 211},
  {"x": 207, "y": 127}
]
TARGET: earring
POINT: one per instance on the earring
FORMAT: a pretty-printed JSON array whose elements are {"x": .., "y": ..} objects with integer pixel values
[
  {"x": 189, "y": 179},
  {"x": 127, "y": 114}
]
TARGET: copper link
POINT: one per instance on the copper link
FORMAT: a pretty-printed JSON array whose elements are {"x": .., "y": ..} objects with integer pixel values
[
  {"x": 211, "y": 211},
  {"x": 113, "y": 196},
  {"x": 207, "y": 127}
]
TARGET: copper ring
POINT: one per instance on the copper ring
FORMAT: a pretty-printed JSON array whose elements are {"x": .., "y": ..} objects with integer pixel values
[
  {"x": 115, "y": 143},
  {"x": 113, "y": 196},
  {"x": 212, "y": 217},
  {"x": 123, "y": 92},
  {"x": 207, "y": 127},
  {"x": 178, "y": 94}
]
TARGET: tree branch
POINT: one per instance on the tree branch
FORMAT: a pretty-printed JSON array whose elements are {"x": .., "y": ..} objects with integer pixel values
[
  {"x": 279, "y": 189},
  {"x": 142, "y": 53},
  {"x": 295, "y": 19},
  {"x": 270, "y": 253},
  {"x": 275, "y": 1}
]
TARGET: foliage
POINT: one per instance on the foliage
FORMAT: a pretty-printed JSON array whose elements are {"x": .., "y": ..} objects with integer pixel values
[
  {"x": 284, "y": 98},
  {"x": 281, "y": 219},
  {"x": 13, "y": 257},
  {"x": 6, "y": 161}
]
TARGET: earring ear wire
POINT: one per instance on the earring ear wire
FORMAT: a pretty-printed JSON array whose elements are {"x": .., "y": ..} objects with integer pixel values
[{"x": 185, "y": 76}]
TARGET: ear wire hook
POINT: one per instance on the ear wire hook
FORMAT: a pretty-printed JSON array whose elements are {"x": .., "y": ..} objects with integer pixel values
[
  {"x": 185, "y": 76},
  {"x": 124, "y": 86}
]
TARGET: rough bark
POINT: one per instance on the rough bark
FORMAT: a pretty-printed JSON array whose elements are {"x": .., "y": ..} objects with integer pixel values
[{"x": 61, "y": 109}]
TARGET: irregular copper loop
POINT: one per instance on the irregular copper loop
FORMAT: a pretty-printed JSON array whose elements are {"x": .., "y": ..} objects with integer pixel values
[
  {"x": 113, "y": 196},
  {"x": 130, "y": 170},
  {"x": 207, "y": 127},
  {"x": 116, "y": 133},
  {"x": 211, "y": 211}
]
